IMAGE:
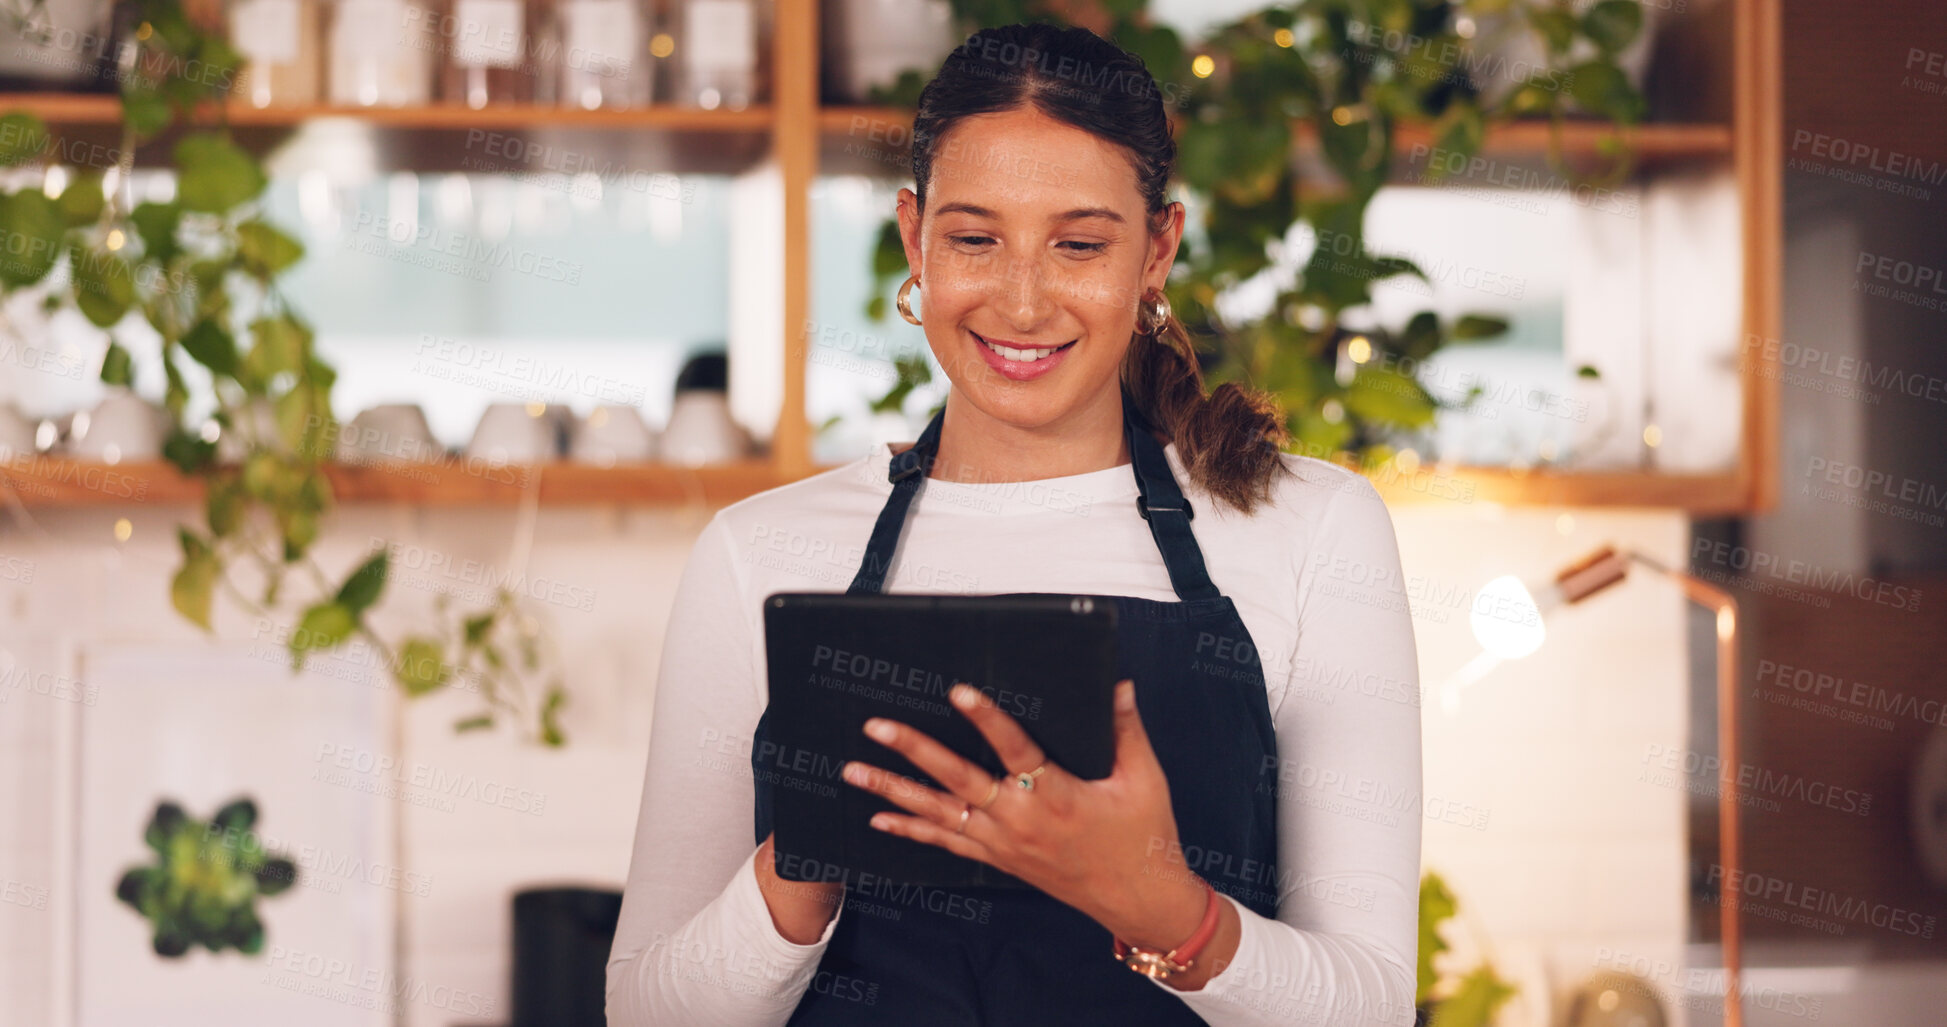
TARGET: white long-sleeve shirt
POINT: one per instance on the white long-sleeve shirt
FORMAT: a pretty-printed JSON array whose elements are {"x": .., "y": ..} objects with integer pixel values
[{"x": 1315, "y": 577}]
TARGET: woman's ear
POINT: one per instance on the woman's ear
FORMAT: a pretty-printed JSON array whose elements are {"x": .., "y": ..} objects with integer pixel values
[
  {"x": 909, "y": 219},
  {"x": 1162, "y": 246}
]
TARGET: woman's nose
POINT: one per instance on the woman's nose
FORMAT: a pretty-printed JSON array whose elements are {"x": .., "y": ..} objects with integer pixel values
[{"x": 1026, "y": 296}]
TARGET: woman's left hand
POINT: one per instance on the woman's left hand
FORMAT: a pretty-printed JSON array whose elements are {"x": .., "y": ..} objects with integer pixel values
[{"x": 1107, "y": 847}]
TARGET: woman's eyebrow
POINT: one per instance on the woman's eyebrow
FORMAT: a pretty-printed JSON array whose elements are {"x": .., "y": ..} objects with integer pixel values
[{"x": 1077, "y": 214}]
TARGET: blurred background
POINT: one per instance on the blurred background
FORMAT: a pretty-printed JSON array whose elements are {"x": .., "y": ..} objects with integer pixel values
[{"x": 367, "y": 368}]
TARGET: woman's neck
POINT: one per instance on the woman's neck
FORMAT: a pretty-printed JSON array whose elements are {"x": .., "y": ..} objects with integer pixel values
[{"x": 978, "y": 448}]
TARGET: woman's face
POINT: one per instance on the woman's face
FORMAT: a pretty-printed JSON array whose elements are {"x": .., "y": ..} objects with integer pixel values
[{"x": 1034, "y": 238}]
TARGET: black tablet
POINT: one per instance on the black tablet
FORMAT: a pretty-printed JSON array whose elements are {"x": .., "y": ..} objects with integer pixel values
[{"x": 836, "y": 659}]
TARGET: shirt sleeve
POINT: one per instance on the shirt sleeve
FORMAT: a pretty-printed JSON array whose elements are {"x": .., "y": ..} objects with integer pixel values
[
  {"x": 696, "y": 943},
  {"x": 1343, "y": 949}
]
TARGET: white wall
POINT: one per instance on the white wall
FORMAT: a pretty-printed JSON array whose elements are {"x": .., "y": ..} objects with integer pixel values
[{"x": 1576, "y": 854}]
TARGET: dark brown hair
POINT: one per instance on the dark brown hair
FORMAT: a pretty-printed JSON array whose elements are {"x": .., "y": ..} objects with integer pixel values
[{"x": 1230, "y": 439}]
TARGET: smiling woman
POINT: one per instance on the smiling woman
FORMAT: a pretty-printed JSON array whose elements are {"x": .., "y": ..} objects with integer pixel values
[{"x": 1253, "y": 856}]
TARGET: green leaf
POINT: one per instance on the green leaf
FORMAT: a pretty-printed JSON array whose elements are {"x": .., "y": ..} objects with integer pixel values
[
  {"x": 475, "y": 723},
  {"x": 209, "y": 345},
  {"x": 225, "y": 504},
  {"x": 362, "y": 589},
  {"x": 145, "y": 111},
  {"x": 81, "y": 201},
  {"x": 239, "y": 815},
  {"x": 117, "y": 368},
  {"x": 275, "y": 876},
  {"x": 1475, "y": 327},
  {"x": 550, "y": 724},
  {"x": 1588, "y": 371},
  {"x": 31, "y": 226},
  {"x": 156, "y": 224},
  {"x": 278, "y": 347},
  {"x": 193, "y": 588},
  {"x": 422, "y": 666},
  {"x": 477, "y": 627},
  {"x": 1437, "y": 905},
  {"x": 888, "y": 252},
  {"x": 1600, "y": 87},
  {"x": 1556, "y": 25},
  {"x": 1387, "y": 397},
  {"x": 104, "y": 286},
  {"x": 1474, "y": 1002},
  {"x": 215, "y": 174},
  {"x": 1421, "y": 336},
  {"x": 1613, "y": 24},
  {"x": 22, "y": 138},
  {"x": 324, "y": 625},
  {"x": 265, "y": 250}
]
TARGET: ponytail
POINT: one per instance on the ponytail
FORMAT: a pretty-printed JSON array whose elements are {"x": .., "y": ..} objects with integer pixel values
[{"x": 1230, "y": 441}]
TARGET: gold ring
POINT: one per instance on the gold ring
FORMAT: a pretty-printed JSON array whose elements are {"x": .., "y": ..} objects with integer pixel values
[
  {"x": 1026, "y": 778},
  {"x": 993, "y": 790},
  {"x": 965, "y": 812}
]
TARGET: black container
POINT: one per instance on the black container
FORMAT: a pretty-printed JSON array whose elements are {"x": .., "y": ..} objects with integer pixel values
[{"x": 561, "y": 942}]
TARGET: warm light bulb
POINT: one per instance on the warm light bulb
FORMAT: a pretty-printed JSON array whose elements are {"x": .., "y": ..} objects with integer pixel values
[
  {"x": 1203, "y": 66},
  {"x": 1506, "y": 619}
]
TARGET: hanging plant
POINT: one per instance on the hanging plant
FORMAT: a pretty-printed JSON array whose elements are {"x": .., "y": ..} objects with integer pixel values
[
  {"x": 202, "y": 270},
  {"x": 202, "y": 888},
  {"x": 1350, "y": 73}
]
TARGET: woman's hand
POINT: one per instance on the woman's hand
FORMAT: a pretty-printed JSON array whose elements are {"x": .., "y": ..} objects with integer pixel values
[
  {"x": 1107, "y": 847},
  {"x": 800, "y": 909}
]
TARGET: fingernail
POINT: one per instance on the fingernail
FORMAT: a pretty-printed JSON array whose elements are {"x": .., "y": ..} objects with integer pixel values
[
  {"x": 965, "y": 696},
  {"x": 854, "y": 773},
  {"x": 879, "y": 730},
  {"x": 881, "y": 821},
  {"x": 1125, "y": 695}
]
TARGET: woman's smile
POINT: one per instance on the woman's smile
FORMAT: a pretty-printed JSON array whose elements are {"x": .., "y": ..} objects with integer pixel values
[{"x": 1019, "y": 361}]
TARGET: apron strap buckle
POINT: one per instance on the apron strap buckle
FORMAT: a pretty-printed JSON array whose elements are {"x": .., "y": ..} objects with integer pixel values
[{"x": 1142, "y": 507}]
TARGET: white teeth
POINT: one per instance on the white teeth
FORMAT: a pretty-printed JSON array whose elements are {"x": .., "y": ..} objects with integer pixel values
[{"x": 1028, "y": 356}]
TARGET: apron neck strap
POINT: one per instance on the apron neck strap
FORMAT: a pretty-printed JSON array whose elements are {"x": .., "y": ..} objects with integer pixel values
[{"x": 1158, "y": 500}]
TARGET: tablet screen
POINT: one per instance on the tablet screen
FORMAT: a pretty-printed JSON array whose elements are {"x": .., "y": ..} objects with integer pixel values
[{"x": 836, "y": 659}]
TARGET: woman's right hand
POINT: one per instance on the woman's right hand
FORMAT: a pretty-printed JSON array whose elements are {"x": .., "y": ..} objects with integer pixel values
[{"x": 800, "y": 909}]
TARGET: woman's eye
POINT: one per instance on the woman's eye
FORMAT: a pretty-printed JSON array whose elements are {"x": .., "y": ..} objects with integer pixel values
[
  {"x": 972, "y": 240},
  {"x": 1085, "y": 247}
]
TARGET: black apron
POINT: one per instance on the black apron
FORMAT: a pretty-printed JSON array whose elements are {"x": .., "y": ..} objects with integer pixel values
[{"x": 999, "y": 956}]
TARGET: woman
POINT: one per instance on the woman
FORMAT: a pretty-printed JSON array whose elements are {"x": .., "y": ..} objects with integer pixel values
[{"x": 1254, "y": 857}]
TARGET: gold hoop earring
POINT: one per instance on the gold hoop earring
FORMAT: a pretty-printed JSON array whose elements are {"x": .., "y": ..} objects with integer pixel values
[
  {"x": 904, "y": 304},
  {"x": 1154, "y": 311}
]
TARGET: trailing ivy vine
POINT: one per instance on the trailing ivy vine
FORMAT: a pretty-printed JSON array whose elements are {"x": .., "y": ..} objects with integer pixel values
[{"x": 201, "y": 269}]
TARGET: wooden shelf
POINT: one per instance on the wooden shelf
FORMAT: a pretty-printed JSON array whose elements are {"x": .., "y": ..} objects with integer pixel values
[
  {"x": 104, "y": 109},
  {"x": 49, "y": 482},
  {"x": 1653, "y": 142},
  {"x": 1464, "y": 487},
  {"x": 52, "y": 482}
]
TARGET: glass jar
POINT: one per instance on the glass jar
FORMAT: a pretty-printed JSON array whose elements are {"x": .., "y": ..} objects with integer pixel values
[
  {"x": 716, "y": 53},
  {"x": 281, "y": 44},
  {"x": 489, "y": 51},
  {"x": 381, "y": 53},
  {"x": 604, "y": 53}
]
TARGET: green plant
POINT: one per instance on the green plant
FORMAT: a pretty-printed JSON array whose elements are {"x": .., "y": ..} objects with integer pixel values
[
  {"x": 202, "y": 888},
  {"x": 1471, "y": 999},
  {"x": 1354, "y": 72},
  {"x": 201, "y": 269}
]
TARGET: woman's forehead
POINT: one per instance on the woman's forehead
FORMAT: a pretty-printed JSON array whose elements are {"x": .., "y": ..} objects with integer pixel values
[{"x": 1023, "y": 161}]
